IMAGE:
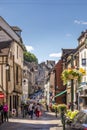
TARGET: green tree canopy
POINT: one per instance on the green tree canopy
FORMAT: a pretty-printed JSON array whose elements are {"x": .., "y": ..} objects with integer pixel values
[{"x": 30, "y": 57}]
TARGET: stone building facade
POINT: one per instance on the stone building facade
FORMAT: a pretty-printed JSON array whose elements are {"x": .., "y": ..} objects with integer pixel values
[{"x": 11, "y": 64}]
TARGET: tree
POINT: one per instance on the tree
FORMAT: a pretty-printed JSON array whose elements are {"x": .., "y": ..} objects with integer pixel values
[{"x": 30, "y": 57}]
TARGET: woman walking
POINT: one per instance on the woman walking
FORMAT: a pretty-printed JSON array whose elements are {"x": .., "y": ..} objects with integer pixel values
[
  {"x": 37, "y": 111},
  {"x": 5, "y": 110}
]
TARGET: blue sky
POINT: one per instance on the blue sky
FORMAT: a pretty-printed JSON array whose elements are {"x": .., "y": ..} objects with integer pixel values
[{"x": 47, "y": 25}]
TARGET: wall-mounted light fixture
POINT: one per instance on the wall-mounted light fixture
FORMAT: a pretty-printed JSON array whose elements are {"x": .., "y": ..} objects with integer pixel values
[{"x": 7, "y": 66}]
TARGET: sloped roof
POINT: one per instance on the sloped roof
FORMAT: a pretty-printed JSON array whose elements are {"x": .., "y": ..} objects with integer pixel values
[
  {"x": 82, "y": 34},
  {"x": 7, "y": 28},
  {"x": 4, "y": 47},
  {"x": 16, "y": 28},
  {"x": 66, "y": 52},
  {"x": 4, "y": 37},
  {"x": 31, "y": 64},
  {"x": 10, "y": 32}
]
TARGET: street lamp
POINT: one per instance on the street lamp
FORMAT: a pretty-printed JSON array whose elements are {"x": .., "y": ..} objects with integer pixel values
[
  {"x": 72, "y": 87},
  {"x": 7, "y": 74},
  {"x": 7, "y": 66}
]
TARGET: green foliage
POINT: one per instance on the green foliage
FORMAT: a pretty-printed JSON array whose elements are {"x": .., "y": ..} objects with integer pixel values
[
  {"x": 68, "y": 113},
  {"x": 62, "y": 108},
  {"x": 30, "y": 57},
  {"x": 71, "y": 114},
  {"x": 55, "y": 106},
  {"x": 71, "y": 73}
]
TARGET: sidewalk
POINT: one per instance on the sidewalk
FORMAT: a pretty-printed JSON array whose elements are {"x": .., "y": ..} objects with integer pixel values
[
  {"x": 56, "y": 128},
  {"x": 53, "y": 116},
  {"x": 48, "y": 120},
  {"x": 47, "y": 116}
]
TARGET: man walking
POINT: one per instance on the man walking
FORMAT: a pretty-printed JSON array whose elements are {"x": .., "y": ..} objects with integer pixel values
[{"x": 30, "y": 109}]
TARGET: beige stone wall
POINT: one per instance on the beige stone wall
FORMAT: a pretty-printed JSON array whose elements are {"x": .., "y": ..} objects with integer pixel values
[
  {"x": 52, "y": 81},
  {"x": 18, "y": 60},
  {"x": 3, "y": 74}
]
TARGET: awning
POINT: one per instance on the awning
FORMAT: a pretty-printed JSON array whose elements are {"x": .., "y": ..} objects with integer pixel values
[{"x": 59, "y": 94}]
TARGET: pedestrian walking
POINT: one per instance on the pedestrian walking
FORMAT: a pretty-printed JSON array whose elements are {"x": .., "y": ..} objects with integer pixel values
[
  {"x": 30, "y": 110},
  {"x": 1, "y": 112},
  {"x": 24, "y": 110},
  {"x": 37, "y": 111},
  {"x": 47, "y": 107},
  {"x": 5, "y": 110}
]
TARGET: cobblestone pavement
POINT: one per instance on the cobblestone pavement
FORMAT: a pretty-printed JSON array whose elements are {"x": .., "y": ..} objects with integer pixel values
[{"x": 48, "y": 121}]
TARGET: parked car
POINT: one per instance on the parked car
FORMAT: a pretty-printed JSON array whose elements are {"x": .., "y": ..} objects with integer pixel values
[{"x": 79, "y": 122}]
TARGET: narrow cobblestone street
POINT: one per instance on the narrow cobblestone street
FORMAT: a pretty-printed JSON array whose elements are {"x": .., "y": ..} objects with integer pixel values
[{"x": 46, "y": 122}]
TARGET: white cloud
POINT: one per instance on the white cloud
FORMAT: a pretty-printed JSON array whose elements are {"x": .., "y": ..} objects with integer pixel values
[
  {"x": 55, "y": 55},
  {"x": 77, "y": 21},
  {"x": 68, "y": 35},
  {"x": 80, "y": 22},
  {"x": 85, "y": 23},
  {"x": 29, "y": 48}
]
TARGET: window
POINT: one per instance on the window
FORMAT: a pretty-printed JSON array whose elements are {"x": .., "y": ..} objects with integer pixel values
[
  {"x": 84, "y": 61},
  {"x": 16, "y": 74}
]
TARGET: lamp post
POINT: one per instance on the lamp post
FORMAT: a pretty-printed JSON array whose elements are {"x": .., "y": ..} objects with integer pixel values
[
  {"x": 72, "y": 86},
  {"x": 7, "y": 69}
]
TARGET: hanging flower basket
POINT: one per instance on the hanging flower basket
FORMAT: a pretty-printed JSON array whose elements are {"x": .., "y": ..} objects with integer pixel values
[{"x": 70, "y": 73}]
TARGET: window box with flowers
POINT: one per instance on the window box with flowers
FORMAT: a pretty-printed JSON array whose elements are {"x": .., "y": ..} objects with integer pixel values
[{"x": 71, "y": 73}]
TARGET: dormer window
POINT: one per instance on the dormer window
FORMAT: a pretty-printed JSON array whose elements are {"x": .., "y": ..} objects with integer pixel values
[
  {"x": 17, "y": 30},
  {"x": 18, "y": 33}
]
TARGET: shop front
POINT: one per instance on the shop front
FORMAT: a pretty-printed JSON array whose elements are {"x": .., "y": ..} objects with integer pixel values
[
  {"x": 1, "y": 103},
  {"x": 2, "y": 96}
]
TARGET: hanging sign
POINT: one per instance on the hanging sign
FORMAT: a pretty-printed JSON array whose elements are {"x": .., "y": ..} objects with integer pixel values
[{"x": 2, "y": 95}]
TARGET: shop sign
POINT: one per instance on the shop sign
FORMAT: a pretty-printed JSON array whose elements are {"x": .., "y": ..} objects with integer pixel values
[{"x": 2, "y": 95}]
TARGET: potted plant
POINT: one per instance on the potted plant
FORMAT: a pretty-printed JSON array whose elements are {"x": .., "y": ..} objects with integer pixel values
[{"x": 62, "y": 108}]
